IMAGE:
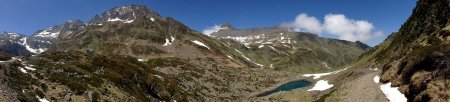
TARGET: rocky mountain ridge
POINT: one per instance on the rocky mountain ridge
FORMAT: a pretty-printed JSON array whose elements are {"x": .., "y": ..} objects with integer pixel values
[{"x": 282, "y": 49}]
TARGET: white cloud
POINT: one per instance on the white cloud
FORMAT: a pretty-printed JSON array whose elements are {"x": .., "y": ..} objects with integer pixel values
[
  {"x": 349, "y": 29},
  {"x": 303, "y": 22},
  {"x": 338, "y": 25},
  {"x": 210, "y": 30}
]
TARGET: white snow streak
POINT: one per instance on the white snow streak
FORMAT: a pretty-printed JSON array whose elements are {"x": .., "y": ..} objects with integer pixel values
[
  {"x": 24, "y": 43},
  {"x": 326, "y": 65},
  {"x": 260, "y": 46},
  {"x": 321, "y": 85},
  {"x": 142, "y": 60},
  {"x": 318, "y": 75},
  {"x": 200, "y": 44},
  {"x": 159, "y": 77},
  {"x": 248, "y": 59},
  {"x": 29, "y": 68},
  {"x": 230, "y": 57},
  {"x": 118, "y": 19},
  {"x": 22, "y": 70}
]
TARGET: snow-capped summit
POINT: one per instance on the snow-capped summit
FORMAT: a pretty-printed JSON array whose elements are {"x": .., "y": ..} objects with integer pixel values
[
  {"x": 10, "y": 35},
  {"x": 51, "y": 32},
  {"x": 55, "y": 31},
  {"x": 125, "y": 14}
]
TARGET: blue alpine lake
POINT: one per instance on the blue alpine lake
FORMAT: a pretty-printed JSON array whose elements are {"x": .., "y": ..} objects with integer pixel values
[{"x": 287, "y": 87}]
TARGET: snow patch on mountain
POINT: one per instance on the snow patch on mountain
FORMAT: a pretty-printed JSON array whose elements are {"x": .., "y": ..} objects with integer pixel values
[
  {"x": 200, "y": 44},
  {"x": 260, "y": 46},
  {"x": 392, "y": 93},
  {"x": 118, "y": 19},
  {"x": 159, "y": 77},
  {"x": 321, "y": 85},
  {"x": 47, "y": 34},
  {"x": 169, "y": 42},
  {"x": 230, "y": 57},
  {"x": 325, "y": 64},
  {"x": 142, "y": 60},
  {"x": 23, "y": 42},
  {"x": 376, "y": 79},
  {"x": 22, "y": 70},
  {"x": 13, "y": 35},
  {"x": 248, "y": 59},
  {"x": 42, "y": 99}
]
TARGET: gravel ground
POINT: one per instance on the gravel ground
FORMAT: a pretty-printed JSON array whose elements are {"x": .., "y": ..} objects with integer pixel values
[{"x": 362, "y": 89}]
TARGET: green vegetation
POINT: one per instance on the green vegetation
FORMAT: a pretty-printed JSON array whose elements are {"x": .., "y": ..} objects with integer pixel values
[{"x": 81, "y": 72}]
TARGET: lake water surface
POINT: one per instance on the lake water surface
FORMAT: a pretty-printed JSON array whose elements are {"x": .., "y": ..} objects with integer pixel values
[{"x": 287, "y": 87}]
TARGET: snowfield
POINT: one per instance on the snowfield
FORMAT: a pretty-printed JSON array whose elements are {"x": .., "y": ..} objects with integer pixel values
[
  {"x": 47, "y": 34},
  {"x": 392, "y": 93},
  {"x": 321, "y": 85},
  {"x": 318, "y": 75}
]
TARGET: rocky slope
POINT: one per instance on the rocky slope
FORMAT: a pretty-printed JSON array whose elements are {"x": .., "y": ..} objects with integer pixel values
[
  {"x": 130, "y": 53},
  {"x": 11, "y": 43},
  {"x": 140, "y": 32},
  {"x": 279, "y": 48}
]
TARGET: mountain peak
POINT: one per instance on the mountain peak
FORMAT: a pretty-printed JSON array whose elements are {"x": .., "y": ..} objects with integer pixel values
[
  {"x": 74, "y": 21},
  {"x": 227, "y": 26},
  {"x": 126, "y": 14}
]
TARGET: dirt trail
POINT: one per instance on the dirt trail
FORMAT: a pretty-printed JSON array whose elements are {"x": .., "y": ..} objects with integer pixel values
[{"x": 362, "y": 89}]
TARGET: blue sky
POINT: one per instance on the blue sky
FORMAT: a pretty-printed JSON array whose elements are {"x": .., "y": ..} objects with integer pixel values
[{"x": 27, "y": 16}]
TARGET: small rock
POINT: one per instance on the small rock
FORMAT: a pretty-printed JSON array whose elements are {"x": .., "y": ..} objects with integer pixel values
[{"x": 67, "y": 97}]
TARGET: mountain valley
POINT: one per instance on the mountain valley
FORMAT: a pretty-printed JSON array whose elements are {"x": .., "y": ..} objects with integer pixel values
[{"x": 132, "y": 53}]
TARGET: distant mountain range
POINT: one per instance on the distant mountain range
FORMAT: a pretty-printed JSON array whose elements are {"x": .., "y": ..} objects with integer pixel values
[{"x": 282, "y": 49}]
